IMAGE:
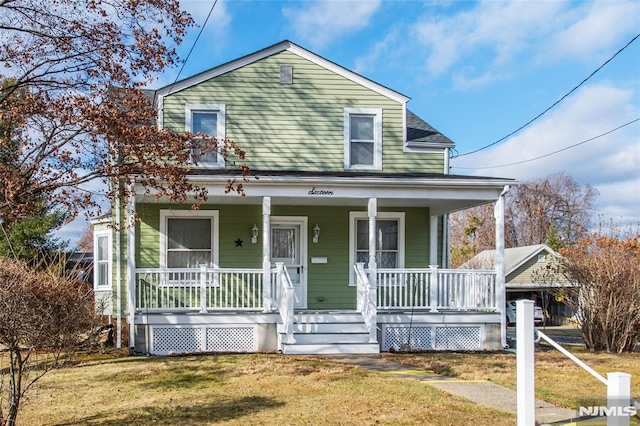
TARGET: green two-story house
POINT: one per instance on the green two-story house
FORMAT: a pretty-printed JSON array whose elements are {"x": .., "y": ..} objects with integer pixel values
[{"x": 341, "y": 244}]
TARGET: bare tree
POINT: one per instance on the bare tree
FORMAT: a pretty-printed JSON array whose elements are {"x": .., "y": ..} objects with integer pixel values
[
  {"x": 85, "y": 241},
  {"x": 555, "y": 207},
  {"x": 555, "y": 210},
  {"x": 43, "y": 314},
  {"x": 604, "y": 269},
  {"x": 472, "y": 231},
  {"x": 71, "y": 106}
]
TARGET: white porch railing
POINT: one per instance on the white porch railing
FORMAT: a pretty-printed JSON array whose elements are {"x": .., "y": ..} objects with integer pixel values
[
  {"x": 198, "y": 289},
  {"x": 367, "y": 295},
  {"x": 436, "y": 289},
  {"x": 206, "y": 289},
  {"x": 286, "y": 300}
]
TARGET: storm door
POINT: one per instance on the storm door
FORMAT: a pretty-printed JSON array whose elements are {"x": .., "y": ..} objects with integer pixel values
[{"x": 288, "y": 245}]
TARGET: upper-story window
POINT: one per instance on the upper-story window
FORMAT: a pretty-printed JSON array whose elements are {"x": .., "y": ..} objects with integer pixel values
[
  {"x": 363, "y": 138},
  {"x": 208, "y": 119}
]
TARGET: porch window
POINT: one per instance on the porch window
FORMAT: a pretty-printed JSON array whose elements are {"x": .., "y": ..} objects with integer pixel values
[
  {"x": 363, "y": 138},
  {"x": 208, "y": 119},
  {"x": 102, "y": 260},
  {"x": 389, "y": 240},
  {"x": 188, "y": 238}
]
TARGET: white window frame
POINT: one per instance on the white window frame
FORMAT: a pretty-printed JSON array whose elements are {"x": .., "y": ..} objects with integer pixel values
[
  {"x": 354, "y": 217},
  {"x": 97, "y": 235},
  {"x": 189, "y": 214},
  {"x": 377, "y": 138},
  {"x": 218, "y": 109}
]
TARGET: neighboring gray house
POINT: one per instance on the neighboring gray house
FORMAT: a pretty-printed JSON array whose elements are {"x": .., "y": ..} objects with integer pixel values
[{"x": 522, "y": 267}]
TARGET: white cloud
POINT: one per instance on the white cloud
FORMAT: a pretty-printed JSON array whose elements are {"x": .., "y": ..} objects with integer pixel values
[
  {"x": 319, "y": 23},
  {"x": 496, "y": 35},
  {"x": 597, "y": 27},
  {"x": 610, "y": 163}
]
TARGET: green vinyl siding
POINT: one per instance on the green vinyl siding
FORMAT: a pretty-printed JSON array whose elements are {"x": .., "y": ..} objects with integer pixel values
[
  {"x": 297, "y": 126},
  {"x": 328, "y": 284}
]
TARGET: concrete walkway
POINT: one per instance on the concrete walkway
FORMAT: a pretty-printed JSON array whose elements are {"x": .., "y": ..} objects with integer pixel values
[{"x": 481, "y": 392}]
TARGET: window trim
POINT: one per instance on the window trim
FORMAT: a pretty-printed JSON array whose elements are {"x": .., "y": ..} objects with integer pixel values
[
  {"x": 354, "y": 217},
  {"x": 220, "y": 110},
  {"x": 97, "y": 235},
  {"x": 377, "y": 138},
  {"x": 189, "y": 214}
]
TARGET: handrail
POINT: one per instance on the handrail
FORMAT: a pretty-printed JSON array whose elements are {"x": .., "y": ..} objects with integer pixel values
[
  {"x": 285, "y": 300},
  {"x": 571, "y": 356},
  {"x": 367, "y": 298}
]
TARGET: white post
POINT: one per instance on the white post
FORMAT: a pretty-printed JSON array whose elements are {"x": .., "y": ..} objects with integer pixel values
[
  {"x": 203, "y": 288},
  {"x": 433, "y": 288},
  {"x": 618, "y": 398},
  {"x": 131, "y": 266},
  {"x": 501, "y": 297},
  {"x": 266, "y": 255},
  {"x": 433, "y": 240},
  {"x": 373, "y": 267},
  {"x": 525, "y": 349}
]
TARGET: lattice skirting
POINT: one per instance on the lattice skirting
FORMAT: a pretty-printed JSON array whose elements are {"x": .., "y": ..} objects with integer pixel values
[
  {"x": 189, "y": 339},
  {"x": 432, "y": 337}
]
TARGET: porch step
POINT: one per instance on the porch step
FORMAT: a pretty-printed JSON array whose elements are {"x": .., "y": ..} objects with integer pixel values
[{"x": 329, "y": 333}]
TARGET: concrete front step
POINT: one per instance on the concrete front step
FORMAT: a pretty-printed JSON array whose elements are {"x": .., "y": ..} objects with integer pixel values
[
  {"x": 330, "y": 348},
  {"x": 329, "y": 333},
  {"x": 331, "y": 338}
]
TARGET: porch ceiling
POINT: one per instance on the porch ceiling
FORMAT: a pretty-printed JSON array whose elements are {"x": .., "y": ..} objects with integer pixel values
[{"x": 440, "y": 193}]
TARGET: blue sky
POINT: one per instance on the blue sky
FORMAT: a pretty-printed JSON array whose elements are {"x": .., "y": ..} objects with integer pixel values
[{"x": 476, "y": 71}]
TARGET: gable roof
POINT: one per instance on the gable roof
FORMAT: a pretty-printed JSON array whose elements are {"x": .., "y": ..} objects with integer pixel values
[
  {"x": 513, "y": 257},
  {"x": 285, "y": 45}
]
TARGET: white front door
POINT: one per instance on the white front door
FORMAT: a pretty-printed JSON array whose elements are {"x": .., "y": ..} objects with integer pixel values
[{"x": 289, "y": 246}]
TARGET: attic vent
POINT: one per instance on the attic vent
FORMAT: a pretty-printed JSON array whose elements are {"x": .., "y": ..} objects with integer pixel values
[{"x": 286, "y": 74}]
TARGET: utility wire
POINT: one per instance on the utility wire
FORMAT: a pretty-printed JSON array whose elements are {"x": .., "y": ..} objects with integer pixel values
[
  {"x": 551, "y": 153},
  {"x": 193, "y": 45},
  {"x": 554, "y": 104}
]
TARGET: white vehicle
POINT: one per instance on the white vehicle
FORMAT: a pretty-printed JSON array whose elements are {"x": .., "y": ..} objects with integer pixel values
[{"x": 538, "y": 313}]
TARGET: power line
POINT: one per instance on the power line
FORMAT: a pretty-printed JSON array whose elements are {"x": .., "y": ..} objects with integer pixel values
[
  {"x": 193, "y": 45},
  {"x": 554, "y": 104},
  {"x": 551, "y": 153}
]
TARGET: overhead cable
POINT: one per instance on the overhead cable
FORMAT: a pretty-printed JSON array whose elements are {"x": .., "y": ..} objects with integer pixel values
[
  {"x": 554, "y": 104},
  {"x": 551, "y": 153},
  {"x": 193, "y": 45}
]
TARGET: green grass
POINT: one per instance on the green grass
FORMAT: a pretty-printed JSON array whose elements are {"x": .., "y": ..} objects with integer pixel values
[
  {"x": 242, "y": 390},
  {"x": 557, "y": 379}
]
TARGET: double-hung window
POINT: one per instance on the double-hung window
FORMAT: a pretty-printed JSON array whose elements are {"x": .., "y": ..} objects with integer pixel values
[
  {"x": 188, "y": 239},
  {"x": 363, "y": 138},
  {"x": 102, "y": 260},
  {"x": 209, "y": 120},
  {"x": 389, "y": 240}
]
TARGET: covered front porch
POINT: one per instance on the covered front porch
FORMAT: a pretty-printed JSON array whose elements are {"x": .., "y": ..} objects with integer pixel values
[{"x": 319, "y": 265}]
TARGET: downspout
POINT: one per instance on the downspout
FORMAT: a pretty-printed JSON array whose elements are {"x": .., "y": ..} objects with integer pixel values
[
  {"x": 499, "y": 264},
  {"x": 118, "y": 276},
  {"x": 131, "y": 265},
  {"x": 445, "y": 219}
]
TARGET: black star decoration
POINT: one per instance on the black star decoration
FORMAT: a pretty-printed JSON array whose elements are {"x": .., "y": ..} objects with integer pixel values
[{"x": 238, "y": 242}]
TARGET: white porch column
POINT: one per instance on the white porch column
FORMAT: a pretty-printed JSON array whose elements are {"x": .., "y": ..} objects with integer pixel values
[
  {"x": 373, "y": 267},
  {"x": 433, "y": 240},
  {"x": 131, "y": 267},
  {"x": 501, "y": 297},
  {"x": 266, "y": 254}
]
